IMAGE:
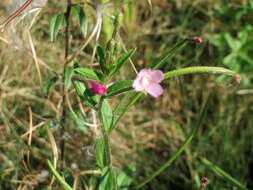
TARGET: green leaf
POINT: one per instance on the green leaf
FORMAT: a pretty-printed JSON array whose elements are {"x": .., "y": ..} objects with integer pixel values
[
  {"x": 91, "y": 100},
  {"x": 101, "y": 59},
  {"x": 107, "y": 115},
  {"x": 80, "y": 88},
  {"x": 88, "y": 73},
  {"x": 55, "y": 25},
  {"x": 49, "y": 85},
  {"x": 86, "y": 93},
  {"x": 125, "y": 177},
  {"x": 100, "y": 153},
  {"x": 107, "y": 180},
  {"x": 68, "y": 76},
  {"x": 230, "y": 59},
  {"x": 223, "y": 174},
  {"x": 58, "y": 176},
  {"x": 119, "y": 87},
  {"x": 92, "y": 183},
  {"x": 121, "y": 61},
  {"x": 234, "y": 44},
  {"x": 80, "y": 14},
  {"x": 79, "y": 120},
  {"x": 125, "y": 104}
]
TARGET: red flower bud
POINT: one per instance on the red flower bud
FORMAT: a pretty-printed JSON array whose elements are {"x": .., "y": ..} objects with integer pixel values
[
  {"x": 204, "y": 181},
  {"x": 98, "y": 88}
]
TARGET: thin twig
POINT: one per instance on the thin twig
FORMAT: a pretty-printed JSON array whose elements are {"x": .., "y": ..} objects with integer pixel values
[{"x": 16, "y": 13}]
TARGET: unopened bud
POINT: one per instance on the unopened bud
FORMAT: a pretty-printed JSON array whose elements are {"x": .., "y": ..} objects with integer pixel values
[
  {"x": 98, "y": 88},
  {"x": 237, "y": 79},
  {"x": 197, "y": 40},
  {"x": 204, "y": 181}
]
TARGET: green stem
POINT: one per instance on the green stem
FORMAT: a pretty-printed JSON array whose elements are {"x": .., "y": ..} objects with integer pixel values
[
  {"x": 134, "y": 100},
  {"x": 161, "y": 63},
  {"x": 198, "y": 69},
  {"x": 202, "y": 187},
  {"x": 64, "y": 92},
  {"x": 181, "y": 149}
]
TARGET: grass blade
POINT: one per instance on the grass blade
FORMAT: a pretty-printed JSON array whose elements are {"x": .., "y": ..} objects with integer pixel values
[{"x": 58, "y": 176}]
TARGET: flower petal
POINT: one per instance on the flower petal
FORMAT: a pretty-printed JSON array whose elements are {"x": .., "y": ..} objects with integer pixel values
[
  {"x": 154, "y": 90},
  {"x": 144, "y": 72},
  {"x": 137, "y": 85},
  {"x": 157, "y": 76}
]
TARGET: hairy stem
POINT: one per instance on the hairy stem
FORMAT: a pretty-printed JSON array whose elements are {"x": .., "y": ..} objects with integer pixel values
[{"x": 199, "y": 69}]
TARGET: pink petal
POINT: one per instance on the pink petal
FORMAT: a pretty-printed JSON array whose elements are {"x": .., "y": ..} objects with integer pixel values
[
  {"x": 154, "y": 90},
  {"x": 137, "y": 85},
  {"x": 157, "y": 76},
  {"x": 144, "y": 72}
]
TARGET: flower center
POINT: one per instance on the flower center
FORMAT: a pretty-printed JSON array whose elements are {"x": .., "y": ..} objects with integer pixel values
[{"x": 145, "y": 81}]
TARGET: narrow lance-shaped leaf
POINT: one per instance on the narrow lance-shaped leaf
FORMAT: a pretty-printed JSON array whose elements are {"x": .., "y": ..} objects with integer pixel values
[
  {"x": 101, "y": 59},
  {"x": 80, "y": 14},
  {"x": 68, "y": 76},
  {"x": 49, "y": 85},
  {"x": 121, "y": 61},
  {"x": 87, "y": 73},
  {"x": 108, "y": 181},
  {"x": 107, "y": 115},
  {"x": 119, "y": 87},
  {"x": 100, "y": 153},
  {"x": 79, "y": 120},
  {"x": 125, "y": 177},
  {"x": 55, "y": 25},
  {"x": 58, "y": 176},
  {"x": 80, "y": 87}
]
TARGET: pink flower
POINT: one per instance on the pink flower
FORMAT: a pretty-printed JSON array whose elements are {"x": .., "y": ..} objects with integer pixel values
[
  {"x": 198, "y": 40},
  {"x": 148, "y": 80},
  {"x": 98, "y": 88}
]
